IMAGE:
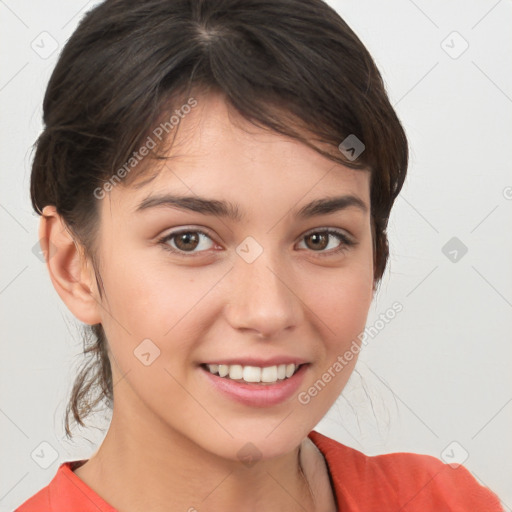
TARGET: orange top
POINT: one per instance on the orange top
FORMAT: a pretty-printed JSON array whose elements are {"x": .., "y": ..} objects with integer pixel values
[{"x": 405, "y": 482}]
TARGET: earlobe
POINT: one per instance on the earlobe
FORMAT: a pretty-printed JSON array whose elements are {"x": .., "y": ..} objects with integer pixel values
[{"x": 70, "y": 271}]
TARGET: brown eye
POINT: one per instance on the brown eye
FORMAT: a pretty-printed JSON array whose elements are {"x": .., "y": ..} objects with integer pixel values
[
  {"x": 186, "y": 241},
  {"x": 319, "y": 241},
  {"x": 183, "y": 242},
  {"x": 328, "y": 242}
]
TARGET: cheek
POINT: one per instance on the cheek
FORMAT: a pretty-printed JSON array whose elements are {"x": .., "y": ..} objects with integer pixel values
[
  {"x": 340, "y": 305},
  {"x": 342, "y": 301},
  {"x": 157, "y": 302},
  {"x": 152, "y": 315},
  {"x": 344, "y": 309},
  {"x": 148, "y": 294},
  {"x": 341, "y": 308}
]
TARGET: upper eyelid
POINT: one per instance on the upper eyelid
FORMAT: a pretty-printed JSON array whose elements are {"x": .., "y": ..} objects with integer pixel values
[
  {"x": 205, "y": 232},
  {"x": 328, "y": 228},
  {"x": 179, "y": 231}
]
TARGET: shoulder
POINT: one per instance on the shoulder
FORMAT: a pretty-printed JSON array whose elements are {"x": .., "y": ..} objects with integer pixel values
[
  {"x": 37, "y": 503},
  {"x": 65, "y": 493},
  {"x": 412, "y": 482}
]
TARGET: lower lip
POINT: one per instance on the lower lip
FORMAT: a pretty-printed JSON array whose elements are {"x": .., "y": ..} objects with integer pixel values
[{"x": 258, "y": 395}]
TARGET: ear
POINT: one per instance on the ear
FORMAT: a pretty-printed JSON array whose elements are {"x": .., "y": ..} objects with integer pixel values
[{"x": 71, "y": 272}]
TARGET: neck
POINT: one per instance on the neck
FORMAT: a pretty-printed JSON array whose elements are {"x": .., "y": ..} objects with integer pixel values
[{"x": 166, "y": 471}]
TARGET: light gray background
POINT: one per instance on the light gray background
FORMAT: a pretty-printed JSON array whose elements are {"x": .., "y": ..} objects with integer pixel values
[{"x": 440, "y": 371}]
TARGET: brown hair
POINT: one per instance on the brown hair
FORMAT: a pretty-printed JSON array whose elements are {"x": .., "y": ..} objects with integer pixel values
[{"x": 129, "y": 62}]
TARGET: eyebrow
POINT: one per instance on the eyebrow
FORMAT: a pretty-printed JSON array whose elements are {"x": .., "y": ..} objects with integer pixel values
[{"x": 226, "y": 209}]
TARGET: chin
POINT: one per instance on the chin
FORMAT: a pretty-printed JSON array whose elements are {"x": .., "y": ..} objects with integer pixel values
[{"x": 256, "y": 441}]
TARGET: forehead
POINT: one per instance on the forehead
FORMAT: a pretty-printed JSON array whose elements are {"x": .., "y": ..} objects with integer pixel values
[{"x": 216, "y": 152}]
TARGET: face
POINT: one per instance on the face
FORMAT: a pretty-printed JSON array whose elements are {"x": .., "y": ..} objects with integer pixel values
[{"x": 281, "y": 285}]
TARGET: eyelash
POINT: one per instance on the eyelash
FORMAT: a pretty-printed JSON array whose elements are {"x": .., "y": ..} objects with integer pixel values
[{"x": 347, "y": 243}]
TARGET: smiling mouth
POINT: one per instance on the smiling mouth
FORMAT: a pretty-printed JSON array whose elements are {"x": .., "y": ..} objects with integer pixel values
[{"x": 253, "y": 374}]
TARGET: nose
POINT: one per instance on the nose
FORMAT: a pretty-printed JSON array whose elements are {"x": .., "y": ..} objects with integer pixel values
[{"x": 263, "y": 298}]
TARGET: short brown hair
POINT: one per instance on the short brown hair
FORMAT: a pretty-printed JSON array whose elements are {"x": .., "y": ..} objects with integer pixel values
[{"x": 131, "y": 61}]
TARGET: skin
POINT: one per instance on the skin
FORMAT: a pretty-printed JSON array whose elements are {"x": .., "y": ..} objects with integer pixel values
[{"x": 173, "y": 440}]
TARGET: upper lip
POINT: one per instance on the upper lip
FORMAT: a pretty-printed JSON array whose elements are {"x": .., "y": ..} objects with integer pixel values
[{"x": 255, "y": 361}]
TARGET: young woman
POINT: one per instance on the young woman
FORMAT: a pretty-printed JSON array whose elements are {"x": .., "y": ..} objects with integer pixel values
[{"x": 215, "y": 180}]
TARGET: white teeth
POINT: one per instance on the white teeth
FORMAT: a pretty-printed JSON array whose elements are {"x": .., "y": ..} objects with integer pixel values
[
  {"x": 252, "y": 374},
  {"x": 223, "y": 369},
  {"x": 236, "y": 371},
  {"x": 267, "y": 374}
]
